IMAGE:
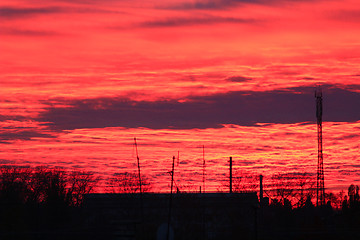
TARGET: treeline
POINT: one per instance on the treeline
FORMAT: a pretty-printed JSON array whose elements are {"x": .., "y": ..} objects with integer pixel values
[
  {"x": 46, "y": 203},
  {"x": 58, "y": 187},
  {"x": 284, "y": 220},
  {"x": 294, "y": 190},
  {"x": 40, "y": 203},
  {"x": 24, "y": 185}
]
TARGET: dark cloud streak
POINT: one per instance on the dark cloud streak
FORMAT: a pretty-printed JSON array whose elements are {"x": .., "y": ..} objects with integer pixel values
[
  {"x": 176, "y": 22},
  {"x": 222, "y": 4},
  {"x": 238, "y": 79},
  {"x": 27, "y": 134},
  {"x": 12, "y": 13},
  {"x": 206, "y": 5},
  {"x": 27, "y": 32},
  {"x": 242, "y": 108},
  {"x": 346, "y": 15}
]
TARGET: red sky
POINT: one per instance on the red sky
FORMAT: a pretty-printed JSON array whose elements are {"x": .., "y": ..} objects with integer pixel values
[{"x": 80, "y": 79}]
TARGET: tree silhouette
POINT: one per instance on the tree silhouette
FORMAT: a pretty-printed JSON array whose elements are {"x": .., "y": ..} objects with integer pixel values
[
  {"x": 304, "y": 185},
  {"x": 14, "y": 187},
  {"x": 294, "y": 188},
  {"x": 40, "y": 199},
  {"x": 241, "y": 182},
  {"x": 44, "y": 185},
  {"x": 127, "y": 182},
  {"x": 353, "y": 193},
  {"x": 80, "y": 183}
]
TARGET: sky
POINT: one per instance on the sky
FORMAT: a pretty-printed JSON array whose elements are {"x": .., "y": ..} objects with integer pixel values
[{"x": 80, "y": 79}]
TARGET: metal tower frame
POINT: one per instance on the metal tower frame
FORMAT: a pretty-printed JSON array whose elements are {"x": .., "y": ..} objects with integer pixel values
[
  {"x": 203, "y": 180},
  {"x": 320, "y": 188}
]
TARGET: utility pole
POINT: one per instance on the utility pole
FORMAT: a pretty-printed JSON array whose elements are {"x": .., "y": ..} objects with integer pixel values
[
  {"x": 138, "y": 164},
  {"x": 203, "y": 169},
  {"x": 230, "y": 175},
  {"x": 320, "y": 188},
  {"x": 261, "y": 190},
  {"x": 139, "y": 176},
  {"x": 170, "y": 201}
]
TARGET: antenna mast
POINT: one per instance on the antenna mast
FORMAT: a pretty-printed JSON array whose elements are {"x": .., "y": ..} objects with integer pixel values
[
  {"x": 230, "y": 167},
  {"x": 203, "y": 168},
  {"x": 170, "y": 202},
  {"x": 141, "y": 195},
  {"x": 138, "y": 164},
  {"x": 320, "y": 188}
]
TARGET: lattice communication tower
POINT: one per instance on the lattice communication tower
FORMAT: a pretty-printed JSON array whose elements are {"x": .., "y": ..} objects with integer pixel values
[{"x": 320, "y": 188}]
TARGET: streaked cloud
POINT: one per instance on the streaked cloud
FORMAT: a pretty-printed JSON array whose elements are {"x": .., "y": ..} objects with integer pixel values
[
  {"x": 346, "y": 15},
  {"x": 23, "y": 134},
  {"x": 217, "y": 4},
  {"x": 27, "y": 32},
  {"x": 238, "y": 79},
  {"x": 221, "y": 4},
  {"x": 13, "y": 13},
  {"x": 176, "y": 22},
  {"x": 241, "y": 108}
]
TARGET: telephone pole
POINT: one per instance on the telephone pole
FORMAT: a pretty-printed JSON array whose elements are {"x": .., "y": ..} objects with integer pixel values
[
  {"x": 230, "y": 175},
  {"x": 141, "y": 194},
  {"x": 203, "y": 169}
]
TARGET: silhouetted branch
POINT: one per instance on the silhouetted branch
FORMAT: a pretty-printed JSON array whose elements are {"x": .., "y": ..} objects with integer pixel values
[{"x": 128, "y": 183}]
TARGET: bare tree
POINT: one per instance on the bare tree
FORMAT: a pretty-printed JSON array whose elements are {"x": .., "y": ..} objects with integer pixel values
[
  {"x": 79, "y": 184},
  {"x": 13, "y": 184},
  {"x": 57, "y": 186},
  {"x": 282, "y": 187},
  {"x": 241, "y": 182},
  {"x": 296, "y": 188},
  {"x": 335, "y": 199},
  {"x": 186, "y": 188},
  {"x": 353, "y": 193},
  {"x": 128, "y": 183},
  {"x": 304, "y": 188}
]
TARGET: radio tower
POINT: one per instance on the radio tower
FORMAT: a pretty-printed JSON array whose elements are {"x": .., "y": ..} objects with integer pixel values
[
  {"x": 203, "y": 169},
  {"x": 320, "y": 188}
]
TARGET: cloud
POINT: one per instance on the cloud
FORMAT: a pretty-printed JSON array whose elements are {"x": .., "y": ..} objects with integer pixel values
[
  {"x": 176, "y": 22},
  {"x": 346, "y": 15},
  {"x": 26, "y": 32},
  {"x": 242, "y": 108},
  {"x": 308, "y": 78},
  {"x": 238, "y": 79},
  {"x": 22, "y": 134},
  {"x": 221, "y": 4},
  {"x": 13, "y": 13},
  {"x": 5, "y": 161},
  {"x": 354, "y": 86},
  {"x": 348, "y": 136},
  {"x": 4, "y": 118},
  {"x": 215, "y": 4}
]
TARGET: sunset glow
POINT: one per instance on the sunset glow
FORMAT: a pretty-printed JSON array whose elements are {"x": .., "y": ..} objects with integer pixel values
[{"x": 80, "y": 79}]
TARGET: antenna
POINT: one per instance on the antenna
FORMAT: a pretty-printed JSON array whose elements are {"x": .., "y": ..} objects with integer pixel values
[
  {"x": 203, "y": 168},
  {"x": 138, "y": 164},
  {"x": 230, "y": 175},
  {"x": 203, "y": 196},
  {"x": 170, "y": 202},
  {"x": 320, "y": 188},
  {"x": 141, "y": 197}
]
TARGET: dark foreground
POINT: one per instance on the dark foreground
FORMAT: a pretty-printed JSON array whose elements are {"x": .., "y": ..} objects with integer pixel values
[{"x": 191, "y": 216}]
